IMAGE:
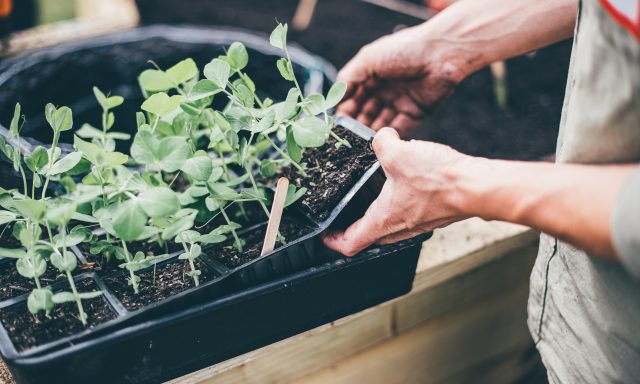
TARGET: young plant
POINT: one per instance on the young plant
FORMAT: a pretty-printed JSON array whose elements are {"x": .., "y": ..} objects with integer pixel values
[
  {"x": 191, "y": 242},
  {"x": 63, "y": 259}
]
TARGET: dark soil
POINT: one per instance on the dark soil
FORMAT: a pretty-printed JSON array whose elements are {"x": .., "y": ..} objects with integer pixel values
[
  {"x": 13, "y": 284},
  {"x": 27, "y": 331},
  {"x": 331, "y": 172},
  {"x": 156, "y": 285},
  {"x": 230, "y": 257}
]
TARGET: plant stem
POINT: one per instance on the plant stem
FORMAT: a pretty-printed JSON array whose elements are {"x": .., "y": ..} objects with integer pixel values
[
  {"x": 255, "y": 189},
  {"x": 24, "y": 181},
  {"x": 283, "y": 154},
  {"x": 52, "y": 151},
  {"x": 132, "y": 275},
  {"x": 72, "y": 284},
  {"x": 233, "y": 231},
  {"x": 196, "y": 279}
]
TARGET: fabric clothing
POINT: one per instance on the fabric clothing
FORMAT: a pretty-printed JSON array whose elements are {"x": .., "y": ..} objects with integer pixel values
[{"x": 584, "y": 312}]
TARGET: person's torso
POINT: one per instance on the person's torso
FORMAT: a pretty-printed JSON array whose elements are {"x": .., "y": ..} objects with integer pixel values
[{"x": 584, "y": 312}]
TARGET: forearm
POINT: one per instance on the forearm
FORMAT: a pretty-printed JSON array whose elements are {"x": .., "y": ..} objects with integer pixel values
[
  {"x": 472, "y": 34},
  {"x": 571, "y": 202}
]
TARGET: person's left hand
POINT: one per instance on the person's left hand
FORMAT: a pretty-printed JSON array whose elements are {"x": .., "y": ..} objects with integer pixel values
[{"x": 421, "y": 193}]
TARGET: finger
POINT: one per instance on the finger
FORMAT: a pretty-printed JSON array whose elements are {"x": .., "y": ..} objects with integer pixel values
[
  {"x": 370, "y": 110},
  {"x": 348, "y": 107},
  {"x": 384, "y": 119},
  {"x": 384, "y": 141},
  {"x": 359, "y": 235},
  {"x": 356, "y": 70},
  {"x": 404, "y": 123}
]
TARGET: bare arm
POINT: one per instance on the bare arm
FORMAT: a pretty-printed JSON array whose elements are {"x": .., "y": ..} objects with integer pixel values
[{"x": 397, "y": 79}]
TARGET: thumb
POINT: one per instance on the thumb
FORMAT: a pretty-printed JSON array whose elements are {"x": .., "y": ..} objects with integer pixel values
[
  {"x": 359, "y": 235},
  {"x": 385, "y": 144}
]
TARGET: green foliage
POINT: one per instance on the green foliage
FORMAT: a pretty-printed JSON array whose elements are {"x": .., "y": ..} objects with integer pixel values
[{"x": 189, "y": 164}]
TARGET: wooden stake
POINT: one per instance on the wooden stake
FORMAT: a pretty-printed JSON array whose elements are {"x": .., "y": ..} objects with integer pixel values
[{"x": 275, "y": 216}]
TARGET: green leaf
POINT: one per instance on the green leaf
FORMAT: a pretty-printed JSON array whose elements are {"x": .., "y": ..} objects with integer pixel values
[
  {"x": 315, "y": 103},
  {"x": 268, "y": 168},
  {"x": 60, "y": 215},
  {"x": 278, "y": 37},
  {"x": 182, "y": 224},
  {"x": 140, "y": 119},
  {"x": 40, "y": 300},
  {"x": 90, "y": 295},
  {"x": 203, "y": 88},
  {"x": 288, "y": 108},
  {"x": 218, "y": 72},
  {"x": 265, "y": 123},
  {"x": 15, "y": 122},
  {"x": 336, "y": 93},
  {"x": 243, "y": 94},
  {"x": 65, "y": 261},
  {"x": 294, "y": 195},
  {"x": 13, "y": 253},
  {"x": 63, "y": 297},
  {"x": 7, "y": 217},
  {"x": 212, "y": 238},
  {"x": 311, "y": 132},
  {"x": 31, "y": 209},
  {"x": 29, "y": 270},
  {"x": 222, "y": 192},
  {"x": 129, "y": 221},
  {"x": 199, "y": 167},
  {"x": 238, "y": 55},
  {"x": 105, "y": 102},
  {"x": 154, "y": 80},
  {"x": 158, "y": 201},
  {"x": 97, "y": 155},
  {"x": 162, "y": 104},
  {"x": 182, "y": 71},
  {"x": 60, "y": 119},
  {"x": 285, "y": 68},
  {"x": 189, "y": 236},
  {"x": 65, "y": 164},
  {"x": 293, "y": 149},
  {"x": 167, "y": 154},
  {"x": 37, "y": 160}
]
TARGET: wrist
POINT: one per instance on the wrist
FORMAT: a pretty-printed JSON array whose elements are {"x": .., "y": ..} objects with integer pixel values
[{"x": 474, "y": 192}]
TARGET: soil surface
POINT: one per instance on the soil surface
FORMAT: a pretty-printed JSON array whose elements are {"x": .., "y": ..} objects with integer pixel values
[
  {"x": 13, "y": 284},
  {"x": 230, "y": 257},
  {"x": 26, "y": 330},
  {"x": 156, "y": 285},
  {"x": 331, "y": 172}
]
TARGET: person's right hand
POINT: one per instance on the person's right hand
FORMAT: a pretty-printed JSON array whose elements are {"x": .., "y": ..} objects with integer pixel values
[{"x": 395, "y": 80}]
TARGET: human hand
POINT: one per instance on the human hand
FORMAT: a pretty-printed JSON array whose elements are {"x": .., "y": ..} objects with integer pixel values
[
  {"x": 421, "y": 193},
  {"x": 398, "y": 78}
]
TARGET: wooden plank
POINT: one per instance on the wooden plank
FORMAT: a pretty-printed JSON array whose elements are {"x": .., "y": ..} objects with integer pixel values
[
  {"x": 441, "y": 349},
  {"x": 292, "y": 358}
]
